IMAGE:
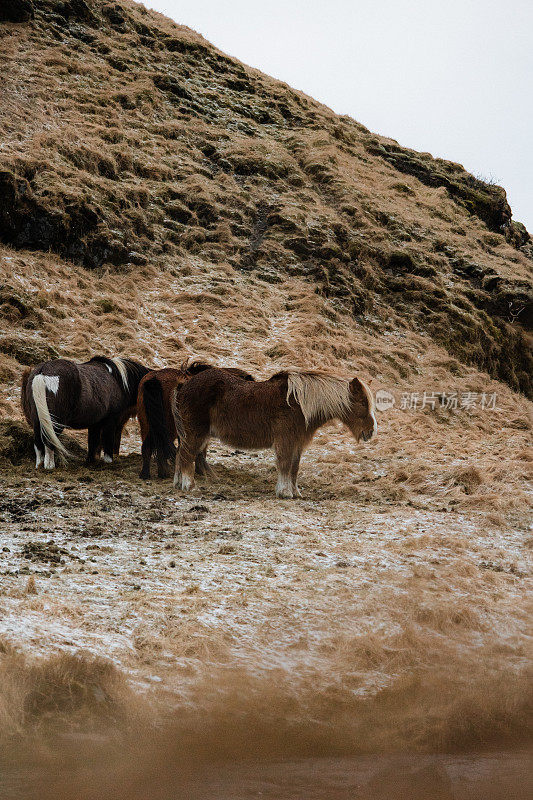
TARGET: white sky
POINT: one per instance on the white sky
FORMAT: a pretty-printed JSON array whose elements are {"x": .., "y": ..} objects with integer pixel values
[{"x": 449, "y": 77}]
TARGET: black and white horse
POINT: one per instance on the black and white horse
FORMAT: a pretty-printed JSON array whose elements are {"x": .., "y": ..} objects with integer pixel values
[{"x": 100, "y": 394}]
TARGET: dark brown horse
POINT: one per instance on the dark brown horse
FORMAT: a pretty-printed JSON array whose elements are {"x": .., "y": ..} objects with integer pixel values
[
  {"x": 283, "y": 412},
  {"x": 100, "y": 394},
  {"x": 156, "y": 420}
]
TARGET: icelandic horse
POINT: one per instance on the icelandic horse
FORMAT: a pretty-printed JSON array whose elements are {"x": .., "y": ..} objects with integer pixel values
[
  {"x": 99, "y": 394},
  {"x": 154, "y": 412},
  {"x": 283, "y": 413}
]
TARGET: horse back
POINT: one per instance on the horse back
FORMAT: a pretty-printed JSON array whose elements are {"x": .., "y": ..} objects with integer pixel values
[
  {"x": 240, "y": 412},
  {"x": 240, "y": 373}
]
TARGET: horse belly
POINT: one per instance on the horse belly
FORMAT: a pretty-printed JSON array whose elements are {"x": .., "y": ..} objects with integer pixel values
[
  {"x": 242, "y": 438},
  {"x": 243, "y": 442},
  {"x": 97, "y": 400}
]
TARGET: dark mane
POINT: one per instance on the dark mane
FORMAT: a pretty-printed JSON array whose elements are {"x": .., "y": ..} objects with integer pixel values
[
  {"x": 135, "y": 371},
  {"x": 101, "y": 360},
  {"x": 279, "y": 376},
  {"x": 194, "y": 367}
]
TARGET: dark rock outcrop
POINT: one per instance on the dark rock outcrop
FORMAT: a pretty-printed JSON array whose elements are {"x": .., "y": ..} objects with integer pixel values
[
  {"x": 16, "y": 10},
  {"x": 72, "y": 230},
  {"x": 485, "y": 200}
]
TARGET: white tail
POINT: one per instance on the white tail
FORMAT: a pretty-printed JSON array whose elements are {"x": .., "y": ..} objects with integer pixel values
[{"x": 38, "y": 390}]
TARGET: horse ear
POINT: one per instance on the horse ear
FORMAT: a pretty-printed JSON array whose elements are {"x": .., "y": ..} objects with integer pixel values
[{"x": 358, "y": 389}]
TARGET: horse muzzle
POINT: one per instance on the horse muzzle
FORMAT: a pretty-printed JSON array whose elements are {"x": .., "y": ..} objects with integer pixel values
[{"x": 366, "y": 435}]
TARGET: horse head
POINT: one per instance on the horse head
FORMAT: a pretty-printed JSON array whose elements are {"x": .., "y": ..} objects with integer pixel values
[{"x": 360, "y": 416}]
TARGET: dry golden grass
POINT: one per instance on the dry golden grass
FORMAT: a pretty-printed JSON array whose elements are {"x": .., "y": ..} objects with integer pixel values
[
  {"x": 204, "y": 161},
  {"x": 66, "y": 692},
  {"x": 387, "y": 609}
]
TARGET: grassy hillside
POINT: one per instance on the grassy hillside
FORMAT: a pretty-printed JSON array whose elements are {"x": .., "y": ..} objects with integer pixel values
[
  {"x": 132, "y": 148},
  {"x": 160, "y": 199}
]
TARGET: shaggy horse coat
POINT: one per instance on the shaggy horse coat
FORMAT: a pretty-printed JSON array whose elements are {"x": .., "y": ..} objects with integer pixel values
[
  {"x": 156, "y": 420},
  {"x": 283, "y": 412},
  {"x": 100, "y": 394}
]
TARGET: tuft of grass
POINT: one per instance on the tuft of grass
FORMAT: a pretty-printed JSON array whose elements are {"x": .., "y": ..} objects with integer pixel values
[
  {"x": 67, "y": 690},
  {"x": 469, "y": 478}
]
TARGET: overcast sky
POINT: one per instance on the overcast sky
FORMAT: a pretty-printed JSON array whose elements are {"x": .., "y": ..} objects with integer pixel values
[{"x": 449, "y": 77}]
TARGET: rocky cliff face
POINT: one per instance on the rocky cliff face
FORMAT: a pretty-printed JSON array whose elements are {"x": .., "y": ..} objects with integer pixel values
[{"x": 131, "y": 141}]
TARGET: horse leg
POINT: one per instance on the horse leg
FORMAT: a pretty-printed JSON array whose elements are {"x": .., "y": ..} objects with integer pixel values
[
  {"x": 185, "y": 462},
  {"x": 284, "y": 458},
  {"x": 93, "y": 443},
  {"x": 184, "y": 474},
  {"x": 50, "y": 452},
  {"x": 295, "y": 466},
  {"x": 49, "y": 457},
  {"x": 38, "y": 445},
  {"x": 108, "y": 439},
  {"x": 118, "y": 437},
  {"x": 201, "y": 465},
  {"x": 146, "y": 453},
  {"x": 162, "y": 466},
  {"x": 39, "y": 456}
]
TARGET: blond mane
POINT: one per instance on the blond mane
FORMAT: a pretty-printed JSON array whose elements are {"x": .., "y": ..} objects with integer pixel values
[
  {"x": 370, "y": 397},
  {"x": 120, "y": 365},
  {"x": 319, "y": 395}
]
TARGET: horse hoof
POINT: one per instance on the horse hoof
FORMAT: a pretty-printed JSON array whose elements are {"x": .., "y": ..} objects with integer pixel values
[
  {"x": 143, "y": 476},
  {"x": 107, "y": 459},
  {"x": 183, "y": 482}
]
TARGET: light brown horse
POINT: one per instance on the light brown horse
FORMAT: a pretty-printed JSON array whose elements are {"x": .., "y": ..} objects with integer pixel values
[
  {"x": 283, "y": 412},
  {"x": 156, "y": 420}
]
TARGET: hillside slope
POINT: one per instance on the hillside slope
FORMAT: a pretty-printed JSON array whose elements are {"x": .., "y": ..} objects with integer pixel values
[
  {"x": 159, "y": 199},
  {"x": 132, "y": 147}
]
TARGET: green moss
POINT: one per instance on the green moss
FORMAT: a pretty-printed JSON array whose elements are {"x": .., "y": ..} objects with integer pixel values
[{"x": 106, "y": 305}]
